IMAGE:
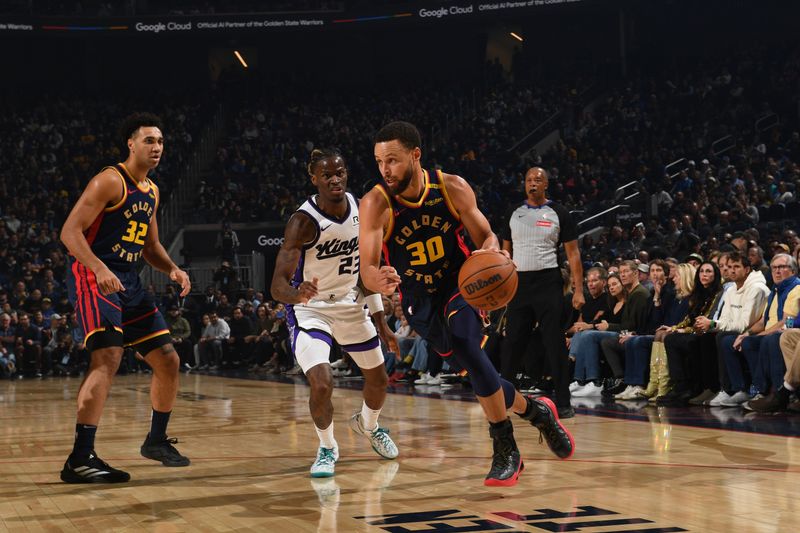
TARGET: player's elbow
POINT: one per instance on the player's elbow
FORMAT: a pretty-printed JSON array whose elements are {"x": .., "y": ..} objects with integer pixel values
[{"x": 66, "y": 235}]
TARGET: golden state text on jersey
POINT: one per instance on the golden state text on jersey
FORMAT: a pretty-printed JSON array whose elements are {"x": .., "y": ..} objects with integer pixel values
[
  {"x": 118, "y": 234},
  {"x": 424, "y": 240}
]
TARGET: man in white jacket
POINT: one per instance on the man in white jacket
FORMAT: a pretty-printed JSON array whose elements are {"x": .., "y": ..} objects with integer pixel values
[{"x": 744, "y": 305}]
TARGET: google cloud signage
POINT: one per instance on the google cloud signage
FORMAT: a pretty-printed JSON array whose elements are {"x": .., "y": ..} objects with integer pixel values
[{"x": 403, "y": 14}]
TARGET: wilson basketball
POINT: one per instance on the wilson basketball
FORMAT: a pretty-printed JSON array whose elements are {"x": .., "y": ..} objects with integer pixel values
[{"x": 488, "y": 280}]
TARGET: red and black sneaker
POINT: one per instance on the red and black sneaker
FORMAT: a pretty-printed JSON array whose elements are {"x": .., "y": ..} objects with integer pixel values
[
  {"x": 543, "y": 415},
  {"x": 506, "y": 461}
]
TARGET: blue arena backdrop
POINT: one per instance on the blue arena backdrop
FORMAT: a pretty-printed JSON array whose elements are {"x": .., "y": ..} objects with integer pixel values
[{"x": 402, "y": 14}]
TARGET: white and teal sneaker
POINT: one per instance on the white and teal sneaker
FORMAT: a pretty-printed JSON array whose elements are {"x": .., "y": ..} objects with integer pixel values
[
  {"x": 326, "y": 461},
  {"x": 381, "y": 442}
]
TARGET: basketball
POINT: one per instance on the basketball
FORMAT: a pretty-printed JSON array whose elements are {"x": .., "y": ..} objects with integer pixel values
[{"x": 488, "y": 280}]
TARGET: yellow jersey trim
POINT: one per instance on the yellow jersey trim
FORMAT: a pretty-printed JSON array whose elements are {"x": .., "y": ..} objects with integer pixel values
[
  {"x": 124, "y": 192},
  {"x": 148, "y": 337},
  {"x": 425, "y": 190},
  {"x": 388, "y": 234},
  {"x": 447, "y": 200},
  {"x": 156, "y": 193},
  {"x": 97, "y": 330},
  {"x": 130, "y": 176}
]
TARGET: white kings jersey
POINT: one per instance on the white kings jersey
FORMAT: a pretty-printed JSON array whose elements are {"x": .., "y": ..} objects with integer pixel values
[{"x": 332, "y": 257}]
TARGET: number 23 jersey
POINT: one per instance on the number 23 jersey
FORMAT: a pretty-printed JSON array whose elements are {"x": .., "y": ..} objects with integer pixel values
[{"x": 332, "y": 257}]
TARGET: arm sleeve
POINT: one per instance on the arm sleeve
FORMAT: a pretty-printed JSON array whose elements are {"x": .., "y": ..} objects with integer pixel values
[
  {"x": 634, "y": 316},
  {"x": 224, "y": 330},
  {"x": 792, "y": 304},
  {"x": 569, "y": 230}
]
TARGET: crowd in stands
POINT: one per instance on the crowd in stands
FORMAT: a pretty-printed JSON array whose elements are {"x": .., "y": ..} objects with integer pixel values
[{"x": 716, "y": 198}]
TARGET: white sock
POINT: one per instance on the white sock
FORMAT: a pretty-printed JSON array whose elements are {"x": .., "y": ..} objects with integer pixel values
[
  {"x": 788, "y": 387},
  {"x": 369, "y": 417},
  {"x": 326, "y": 438}
]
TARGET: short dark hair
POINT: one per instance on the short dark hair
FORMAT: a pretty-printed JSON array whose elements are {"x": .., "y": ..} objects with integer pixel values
[
  {"x": 601, "y": 272},
  {"x": 738, "y": 257},
  {"x": 663, "y": 264},
  {"x": 135, "y": 121},
  {"x": 318, "y": 154},
  {"x": 629, "y": 264},
  {"x": 404, "y": 132}
]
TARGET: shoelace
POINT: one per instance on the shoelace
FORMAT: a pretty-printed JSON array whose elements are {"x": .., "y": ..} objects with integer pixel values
[
  {"x": 552, "y": 435},
  {"x": 325, "y": 457},
  {"x": 382, "y": 435}
]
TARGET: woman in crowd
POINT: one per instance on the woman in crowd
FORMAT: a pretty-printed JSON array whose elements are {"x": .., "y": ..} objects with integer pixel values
[{"x": 585, "y": 345}]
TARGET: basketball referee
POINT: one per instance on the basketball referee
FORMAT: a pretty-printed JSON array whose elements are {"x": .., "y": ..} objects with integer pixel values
[{"x": 532, "y": 236}]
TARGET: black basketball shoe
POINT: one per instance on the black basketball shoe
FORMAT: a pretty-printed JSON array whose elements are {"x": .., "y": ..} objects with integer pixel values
[
  {"x": 542, "y": 415},
  {"x": 163, "y": 451},
  {"x": 506, "y": 461},
  {"x": 91, "y": 469}
]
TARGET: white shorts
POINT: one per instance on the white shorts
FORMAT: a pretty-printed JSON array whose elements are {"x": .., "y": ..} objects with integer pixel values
[{"x": 312, "y": 330}]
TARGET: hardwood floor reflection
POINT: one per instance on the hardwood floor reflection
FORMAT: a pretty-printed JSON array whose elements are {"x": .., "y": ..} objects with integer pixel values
[{"x": 252, "y": 442}]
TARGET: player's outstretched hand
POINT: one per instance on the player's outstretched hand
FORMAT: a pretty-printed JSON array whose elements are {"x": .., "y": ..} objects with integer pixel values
[
  {"x": 388, "y": 280},
  {"x": 307, "y": 290},
  {"x": 182, "y": 278},
  {"x": 108, "y": 282}
]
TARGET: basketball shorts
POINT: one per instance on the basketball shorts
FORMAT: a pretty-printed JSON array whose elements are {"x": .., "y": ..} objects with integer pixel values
[
  {"x": 429, "y": 315},
  {"x": 312, "y": 330},
  {"x": 125, "y": 318}
]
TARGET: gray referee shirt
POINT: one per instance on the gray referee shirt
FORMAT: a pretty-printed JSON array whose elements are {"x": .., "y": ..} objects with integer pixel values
[{"x": 536, "y": 233}]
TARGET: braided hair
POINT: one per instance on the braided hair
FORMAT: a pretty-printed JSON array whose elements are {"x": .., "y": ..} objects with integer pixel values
[{"x": 318, "y": 154}]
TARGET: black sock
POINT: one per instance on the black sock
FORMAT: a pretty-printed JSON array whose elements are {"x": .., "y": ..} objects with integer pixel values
[
  {"x": 84, "y": 440},
  {"x": 158, "y": 425},
  {"x": 500, "y": 425},
  {"x": 528, "y": 409}
]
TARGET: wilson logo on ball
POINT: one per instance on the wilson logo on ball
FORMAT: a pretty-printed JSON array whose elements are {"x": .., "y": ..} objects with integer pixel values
[{"x": 475, "y": 286}]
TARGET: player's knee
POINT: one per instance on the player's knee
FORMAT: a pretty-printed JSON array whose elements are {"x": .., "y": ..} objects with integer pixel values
[
  {"x": 376, "y": 377},
  {"x": 165, "y": 358},
  {"x": 107, "y": 360},
  {"x": 321, "y": 389}
]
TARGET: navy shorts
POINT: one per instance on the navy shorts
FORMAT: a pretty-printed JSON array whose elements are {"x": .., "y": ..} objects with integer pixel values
[
  {"x": 429, "y": 315},
  {"x": 131, "y": 313}
]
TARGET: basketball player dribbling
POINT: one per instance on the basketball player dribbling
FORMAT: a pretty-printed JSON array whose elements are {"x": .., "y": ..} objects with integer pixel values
[
  {"x": 316, "y": 276},
  {"x": 113, "y": 225},
  {"x": 414, "y": 219}
]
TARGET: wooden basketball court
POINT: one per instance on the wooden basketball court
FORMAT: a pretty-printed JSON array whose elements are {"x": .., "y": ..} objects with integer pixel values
[{"x": 252, "y": 442}]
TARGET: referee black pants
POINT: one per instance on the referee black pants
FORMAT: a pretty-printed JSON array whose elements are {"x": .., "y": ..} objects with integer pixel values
[{"x": 539, "y": 299}]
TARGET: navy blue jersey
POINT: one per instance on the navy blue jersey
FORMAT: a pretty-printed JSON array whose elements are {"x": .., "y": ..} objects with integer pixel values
[
  {"x": 118, "y": 233},
  {"x": 424, "y": 240}
]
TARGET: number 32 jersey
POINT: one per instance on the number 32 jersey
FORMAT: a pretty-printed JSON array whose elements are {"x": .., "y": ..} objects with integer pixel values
[
  {"x": 332, "y": 257},
  {"x": 118, "y": 233}
]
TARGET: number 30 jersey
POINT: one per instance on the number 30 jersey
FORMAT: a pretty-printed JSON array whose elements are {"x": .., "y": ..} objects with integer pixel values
[
  {"x": 332, "y": 257},
  {"x": 423, "y": 241},
  {"x": 118, "y": 233}
]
